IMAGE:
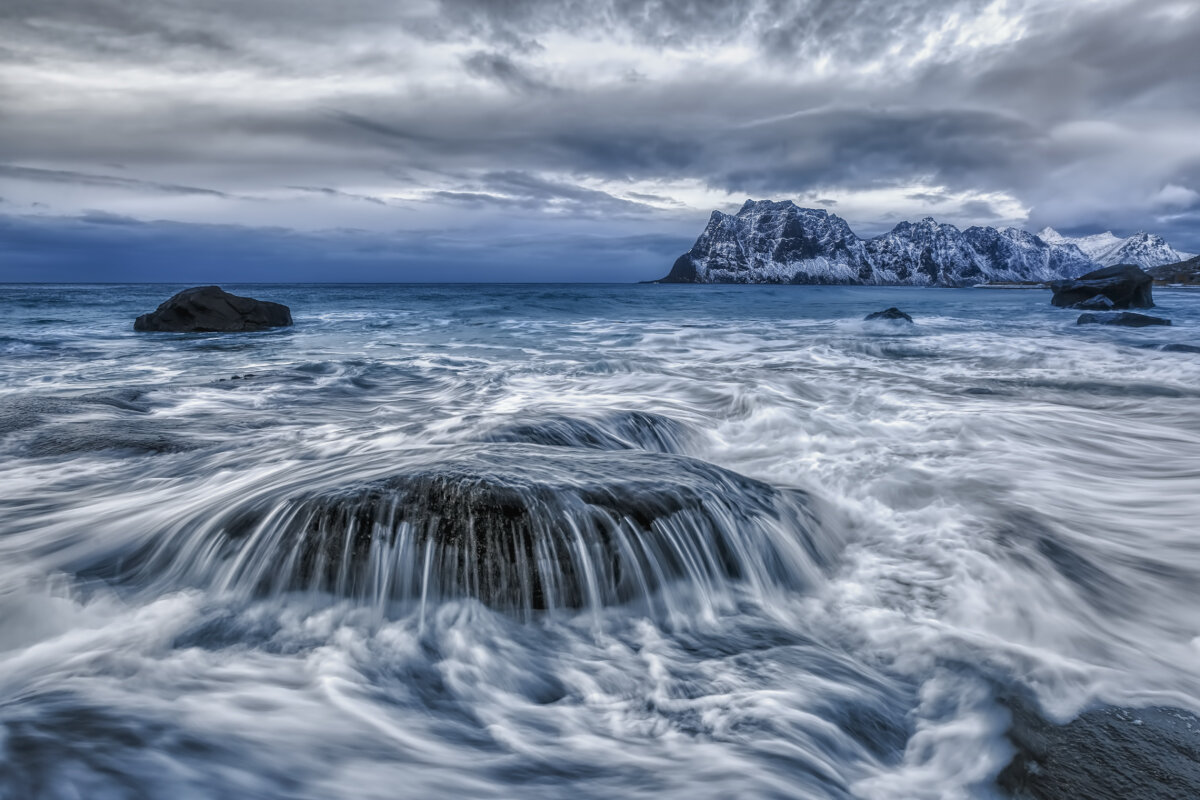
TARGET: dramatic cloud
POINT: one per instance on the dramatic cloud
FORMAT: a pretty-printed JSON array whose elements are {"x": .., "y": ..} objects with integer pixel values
[{"x": 449, "y": 130}]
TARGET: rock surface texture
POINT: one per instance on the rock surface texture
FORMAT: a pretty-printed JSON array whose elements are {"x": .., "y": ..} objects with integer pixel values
[
  {"x": 1126, "y": 318},
  {"x": 1108, "y": 753},
  {"x": 204, "y": 309},
  {"x": 1126, "y": 285}
]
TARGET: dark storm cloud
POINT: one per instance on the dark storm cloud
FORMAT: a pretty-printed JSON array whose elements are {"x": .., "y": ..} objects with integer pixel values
[
  {"x": 503, "y": 70},
  {"x": 841, "y": 146},
  {"x": 330, "y": 192},
  {"x": 1084, "y": 113},
  {"x": 109, "y": 181},
  {"x": 514, "y": 189},
  {"x": 101, "y": 247}
]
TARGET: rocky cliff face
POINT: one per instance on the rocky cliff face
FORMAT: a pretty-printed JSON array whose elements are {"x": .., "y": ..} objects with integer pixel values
[
  {"x": 780, "y": 242},
  {"x": 769, "y": 242}
]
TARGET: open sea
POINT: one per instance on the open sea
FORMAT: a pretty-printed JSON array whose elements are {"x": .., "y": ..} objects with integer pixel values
[{"x": 569, "y": 541}]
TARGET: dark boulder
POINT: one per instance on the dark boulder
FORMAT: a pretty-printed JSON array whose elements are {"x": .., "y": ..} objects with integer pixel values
[
  {"x": 521, "y": 528},
  {"x": 1097, "y": 303},
  {"x": 1107, "y": 753},
  {"x": 1126, "y": 285},
  {"x": 205, "y": 309},
  {"x": 891, "y": 313},
  {"x": 1126, "y": 318}
]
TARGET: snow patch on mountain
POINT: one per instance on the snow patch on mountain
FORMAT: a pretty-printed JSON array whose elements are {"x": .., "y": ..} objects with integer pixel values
[{"x": 1106, "y": 249}]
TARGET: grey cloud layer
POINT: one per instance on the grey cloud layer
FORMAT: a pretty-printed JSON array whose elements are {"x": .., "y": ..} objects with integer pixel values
[{"x": 1086, "y": 118}]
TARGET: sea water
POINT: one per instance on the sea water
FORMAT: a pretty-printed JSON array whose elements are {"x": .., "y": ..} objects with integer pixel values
[{"x": 765, "y": 548}]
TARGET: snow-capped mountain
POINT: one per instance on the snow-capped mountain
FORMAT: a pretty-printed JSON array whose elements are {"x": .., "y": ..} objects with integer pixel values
[
  {"x": 1144, "y": 249},
  {"x": 780, "y": 242}
]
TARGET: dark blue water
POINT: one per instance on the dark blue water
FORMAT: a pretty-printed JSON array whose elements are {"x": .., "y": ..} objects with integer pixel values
[{"x": 588, "y": 541}]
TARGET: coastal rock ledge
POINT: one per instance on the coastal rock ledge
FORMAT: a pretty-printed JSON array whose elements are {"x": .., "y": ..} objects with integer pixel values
[
  {"x": 210, "y": 309},
  {"x": 1124, "y": 286}
]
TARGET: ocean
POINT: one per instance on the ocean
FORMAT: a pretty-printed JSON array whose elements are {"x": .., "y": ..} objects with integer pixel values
[{"x": 588, "y": 541}]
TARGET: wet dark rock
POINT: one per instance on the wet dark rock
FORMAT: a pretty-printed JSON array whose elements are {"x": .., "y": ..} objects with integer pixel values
[
  {"x": 1127, "y": 319},
  {"x": 525, "y": 527},
  {"x": 1180, "y": 348},
  {"x": 890, "y": 313},
  {"x": 615, "y": 430},
  {"x": 1107, "y": 753},
  {"x": 1097, "y": 303},
  {"x": 211, "y": 309},
  {"x": 1125, "y": 285}
]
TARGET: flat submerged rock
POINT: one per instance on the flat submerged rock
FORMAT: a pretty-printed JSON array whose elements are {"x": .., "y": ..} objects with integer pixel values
[{"x": 1125, "y": 319}]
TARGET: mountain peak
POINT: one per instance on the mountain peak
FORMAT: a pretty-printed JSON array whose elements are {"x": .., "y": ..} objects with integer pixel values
[
  {"x": 1142, "y": 248},
  {"x": 760, "y": 206},
  {"x": 770, "y": 241}
]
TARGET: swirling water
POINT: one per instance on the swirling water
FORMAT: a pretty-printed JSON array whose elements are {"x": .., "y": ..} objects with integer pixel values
[{"x": 587, "y": 541}]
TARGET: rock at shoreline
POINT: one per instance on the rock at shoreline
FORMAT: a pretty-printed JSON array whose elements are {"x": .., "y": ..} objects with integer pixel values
[
  {"x": 1126, "y": 318},
  {"x": 890, "y": 313},
  {"x": 205, "y": 309},
  {"x": 1186, "y": 273},
  {"x": 1124, "y": 285},
  {"x": 1108, "y": 752}
]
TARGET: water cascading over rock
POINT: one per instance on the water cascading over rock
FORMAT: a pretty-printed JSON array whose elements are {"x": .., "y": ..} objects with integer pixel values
[{"x": 522, "y": 528}]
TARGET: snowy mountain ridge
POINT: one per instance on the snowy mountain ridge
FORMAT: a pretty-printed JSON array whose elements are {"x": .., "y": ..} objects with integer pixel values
[
  {"x": 780, "y": 242},
  {"x": 1144, "y": 249}
]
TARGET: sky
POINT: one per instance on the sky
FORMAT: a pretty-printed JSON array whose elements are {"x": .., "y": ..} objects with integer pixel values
[{"x": 569, "y": 140}]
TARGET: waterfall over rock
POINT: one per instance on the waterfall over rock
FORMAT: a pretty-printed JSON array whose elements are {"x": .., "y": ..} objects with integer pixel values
[{"x": 521, "y": 527}]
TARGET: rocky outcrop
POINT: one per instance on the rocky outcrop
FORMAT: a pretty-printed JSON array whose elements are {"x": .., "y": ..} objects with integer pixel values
[
  {"x": 892, "y": 313},
  {"x": 1126, "y": 318},
  {"x": 780, "y": 242},
  {"x": 1183, "y": 272},
  {"x": 767, "y": 242},
  {"x": 525, "y": 527},
  {"x": 204, "y": 309},
  {"x": 1125, "y": 285},
  {"x": 1107, "y": 752}
]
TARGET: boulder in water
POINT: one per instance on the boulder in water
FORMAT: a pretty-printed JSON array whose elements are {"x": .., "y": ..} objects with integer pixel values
[
  {"x": 205, "y": 309},
  {"x": 1125, "y": 285},
  {"x": 890, "y": 313},
  {"x": 528, "y": 527},
  {"x": 1126, "y": 318}
]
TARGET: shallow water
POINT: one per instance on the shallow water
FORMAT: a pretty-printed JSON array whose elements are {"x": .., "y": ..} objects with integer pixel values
[{"x": 774, "y": 550}]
